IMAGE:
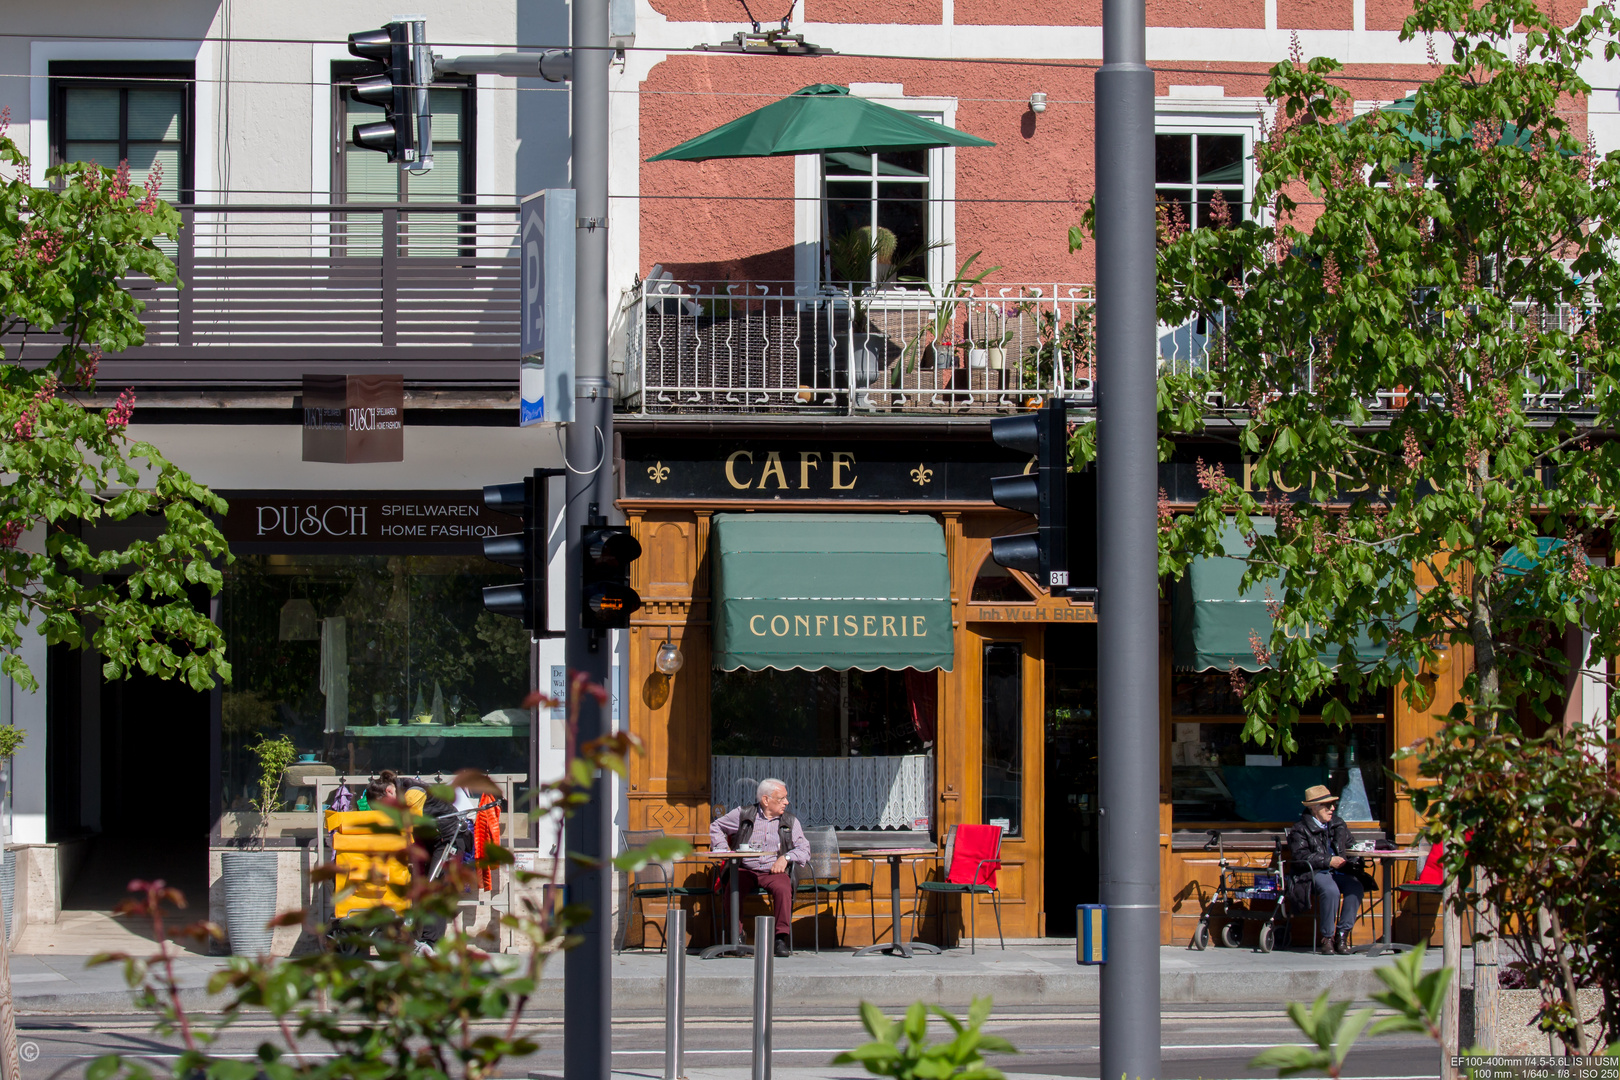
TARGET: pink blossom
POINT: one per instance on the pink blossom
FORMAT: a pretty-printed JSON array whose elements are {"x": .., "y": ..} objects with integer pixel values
[
  {"x": 1167, "y": 516},
  {"x": 1262, "y": 655},
  {"x": 24, "y": 427},
  {"x": 1411, "y": 452},
  {"x": 1296, "y": 51},
  {"x": 1331, "y": 280},
  {"x": 154, "y": 181},
  {"x": 118, "y": 415},
  {"x": 5, "y": 121},
  {"x": 10, "y": 533},
  {"x": 86, "y": 373},
  {"x": 1240, "y": 685},
  {"x": 1219, "y": 212},
  {"x": 119, "y": 189},
  {"x": 1211, "y": 477}
]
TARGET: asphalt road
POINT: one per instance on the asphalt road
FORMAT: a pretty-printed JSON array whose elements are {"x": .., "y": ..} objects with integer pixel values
[{"x": 1203, "y": 1041}]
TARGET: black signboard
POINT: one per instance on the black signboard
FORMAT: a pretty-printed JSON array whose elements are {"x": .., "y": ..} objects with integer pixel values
[
  {"x": 801, "y": 470},
  {"x": 434, "y": 522}
]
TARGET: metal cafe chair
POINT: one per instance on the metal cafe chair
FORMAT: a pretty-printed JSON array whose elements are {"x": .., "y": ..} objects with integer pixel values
[
  {"x": 656, "y": 880},
  {"x": 825, "y": 875},
  {"x": 971, "y": 866}
]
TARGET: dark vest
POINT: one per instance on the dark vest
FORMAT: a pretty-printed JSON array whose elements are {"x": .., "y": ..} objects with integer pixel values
[{"x": 745, "y": 829}]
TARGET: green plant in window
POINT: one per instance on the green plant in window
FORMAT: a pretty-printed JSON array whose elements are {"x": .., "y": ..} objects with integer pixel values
[
  {"x": 243, "y": 712},
  {"x": 11, "y": 739}
]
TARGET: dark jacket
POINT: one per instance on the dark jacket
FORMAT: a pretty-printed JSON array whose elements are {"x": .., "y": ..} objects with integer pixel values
[{"x": 1311, "y": 850}]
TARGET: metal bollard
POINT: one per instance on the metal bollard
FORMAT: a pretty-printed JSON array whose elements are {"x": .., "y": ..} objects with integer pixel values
[
  {"x": 764, "y": 941},
  {"x": 675, "y": 994}
]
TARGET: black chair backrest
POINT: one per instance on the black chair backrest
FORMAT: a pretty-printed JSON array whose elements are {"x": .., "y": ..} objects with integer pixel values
[{"x": 654, "y": 873}]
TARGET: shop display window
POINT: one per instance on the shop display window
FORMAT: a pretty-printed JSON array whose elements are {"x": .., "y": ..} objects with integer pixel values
[
  {"x": 854, "y": 747},
  {"x": 1217, "y": 777},
  {"x": 371, "y": 662}
]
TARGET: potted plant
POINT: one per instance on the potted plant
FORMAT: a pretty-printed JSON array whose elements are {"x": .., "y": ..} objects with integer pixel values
[
  {"x": 249, "y": 873},
  {"x": 865, "y": 262}
]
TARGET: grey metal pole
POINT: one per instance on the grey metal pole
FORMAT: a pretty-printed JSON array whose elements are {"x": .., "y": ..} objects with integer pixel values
[
  {"x": 675, "y": 994},
  {"x": 588, "y": 987},
  {"x": 1127, "y": 547},
  {"x": 764, "y": 939}
]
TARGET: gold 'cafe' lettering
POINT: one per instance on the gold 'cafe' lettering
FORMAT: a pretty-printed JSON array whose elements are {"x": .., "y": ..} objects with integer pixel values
[
  {"x": 838, "y": 625},
  {"x": 841, "y": 469}
]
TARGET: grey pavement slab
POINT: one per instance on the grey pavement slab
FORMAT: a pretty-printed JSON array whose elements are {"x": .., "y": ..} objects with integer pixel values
[{"x": 1043, "y": 973}]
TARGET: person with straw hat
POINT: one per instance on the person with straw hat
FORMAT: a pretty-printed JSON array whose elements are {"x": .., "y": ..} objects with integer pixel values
[{"x": 1320, "y": 869}]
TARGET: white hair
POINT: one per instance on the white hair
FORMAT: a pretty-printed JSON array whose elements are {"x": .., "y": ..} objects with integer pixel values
[{"x": 768, "y": 785}]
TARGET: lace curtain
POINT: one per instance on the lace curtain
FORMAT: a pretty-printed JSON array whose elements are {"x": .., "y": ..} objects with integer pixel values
[{"x": 846, "y": 793}]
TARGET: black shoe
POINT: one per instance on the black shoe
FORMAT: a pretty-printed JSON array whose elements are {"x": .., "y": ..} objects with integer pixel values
[
  {"x": 782, "y": 948},
  {"x": 1341, "y": 943},
  {"x": 1325, "y": 945}
]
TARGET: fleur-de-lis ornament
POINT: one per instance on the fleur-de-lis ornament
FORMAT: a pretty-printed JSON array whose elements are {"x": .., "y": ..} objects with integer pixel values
[
  {"x": 658, "y": 472},
  {"x": 921, "y": 475}
]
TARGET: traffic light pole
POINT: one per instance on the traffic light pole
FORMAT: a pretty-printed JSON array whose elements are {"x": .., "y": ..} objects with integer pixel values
[
  {"x": 587, "y": 986},
  {"x": 1127, "y": 543}
]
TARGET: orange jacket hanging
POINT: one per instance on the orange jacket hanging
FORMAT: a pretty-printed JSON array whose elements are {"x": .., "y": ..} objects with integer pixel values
[{"x": 486, "y": 831}]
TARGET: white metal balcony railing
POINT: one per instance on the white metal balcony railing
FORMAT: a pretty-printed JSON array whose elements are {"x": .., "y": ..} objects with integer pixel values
[
  {"x": 1194, "y": 347},
  {"x": 765, "y": 347}
]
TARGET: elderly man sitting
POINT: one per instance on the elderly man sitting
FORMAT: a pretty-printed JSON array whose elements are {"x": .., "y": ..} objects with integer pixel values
[{"x": 768, "y": 828}]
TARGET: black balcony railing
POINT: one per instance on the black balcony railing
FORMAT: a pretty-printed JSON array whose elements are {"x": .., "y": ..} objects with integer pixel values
[{"x": 272, "y": 292}]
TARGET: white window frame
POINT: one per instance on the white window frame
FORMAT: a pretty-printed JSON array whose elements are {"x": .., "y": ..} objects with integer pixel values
[
  {"x": 809, "y": 185},
  {"x": 42, "y": 52},
  {"x": 1203, "y": 110}
]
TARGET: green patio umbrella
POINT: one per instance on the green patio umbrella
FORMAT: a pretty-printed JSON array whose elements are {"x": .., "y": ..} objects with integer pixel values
[
  {"x": 1436, "y": 139},
  {"x": 816, "y": 120}
]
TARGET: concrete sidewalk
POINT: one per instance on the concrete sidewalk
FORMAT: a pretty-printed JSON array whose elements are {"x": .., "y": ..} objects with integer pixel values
[{"x": 1041, "y": 972}]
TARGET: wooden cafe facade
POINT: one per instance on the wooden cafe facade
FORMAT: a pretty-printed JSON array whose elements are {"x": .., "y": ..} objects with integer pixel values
[{"x": 842, "y": 626}]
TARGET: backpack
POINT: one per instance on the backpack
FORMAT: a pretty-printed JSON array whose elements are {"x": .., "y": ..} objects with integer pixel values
[{"x": 745, "y": 828}]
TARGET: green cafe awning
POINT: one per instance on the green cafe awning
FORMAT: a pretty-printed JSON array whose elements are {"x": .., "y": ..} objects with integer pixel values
[
  {"x": 839, "y": 591},
  {"x": 1211, "y": 617}
]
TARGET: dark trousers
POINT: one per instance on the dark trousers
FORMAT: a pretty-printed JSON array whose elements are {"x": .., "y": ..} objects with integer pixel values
[
  {"x": 1329, "y": 886},
  {"x": 780, "y": 886},
  {"x": 433, "y": 928}
]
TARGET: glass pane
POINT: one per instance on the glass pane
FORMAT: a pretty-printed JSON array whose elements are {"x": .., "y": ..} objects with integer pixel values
[
  {"x": 141, "y": 158},
  {"x": 1234, "y": 205},
  {"x": 903, "y": 210},
  {"x": 155, "y": 114},
  {"x": 1172, "y": 159},
  {"x": 343, "y": 652},
  {"x": 1176, "y": 201},
  {"x": 92, "y": 113},
  {"x": 442, "y": 183},
  {"x": 368, "y": 176},
  {"x": 104, "y": 154},
  {"x": 446, "y": 106},
  {"x": 1003, "y": 747},
  {"x": 904, "y": 163},
  {"x": 845, "y": 163},
  {"x": 1215, "y": 776},
  {"x": 996, "y": 585},
  {"x": 1220, "y": 159}
]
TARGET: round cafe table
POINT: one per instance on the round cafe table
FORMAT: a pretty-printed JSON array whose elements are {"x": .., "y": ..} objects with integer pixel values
[
  {"x": 896, "y": 944},
  {"x": 1388, "y": 858},
  {"x": 735, "y": 946}
]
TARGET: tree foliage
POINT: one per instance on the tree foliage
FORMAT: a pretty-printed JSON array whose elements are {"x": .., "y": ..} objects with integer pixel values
[
  {"x": 1418, "y": 335},
  {"x": 66, "y": 253},
  {"x": 1415, "y": 346}
]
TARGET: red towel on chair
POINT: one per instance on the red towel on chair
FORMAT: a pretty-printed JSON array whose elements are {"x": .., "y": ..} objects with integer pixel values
[
  {"x": 975, "y": 844},
  {"x": 486, "y": 831}
]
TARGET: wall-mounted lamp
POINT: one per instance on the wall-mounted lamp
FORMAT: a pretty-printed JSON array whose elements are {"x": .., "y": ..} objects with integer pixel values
[
  {"x": 668, "y": 659},
  {"x": 1037, "y": 102}
]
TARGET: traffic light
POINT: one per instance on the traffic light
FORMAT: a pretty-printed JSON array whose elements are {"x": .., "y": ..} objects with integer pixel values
[
  {"x": 606, "y": 598},
  {"x": 525, "y": 550},
  {"x": 1042, "y": 490},
  {"x": 400, "y": 87}
]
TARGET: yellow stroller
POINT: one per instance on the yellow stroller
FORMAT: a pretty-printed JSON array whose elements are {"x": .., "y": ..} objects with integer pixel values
[{"x": 366, "y": 857}]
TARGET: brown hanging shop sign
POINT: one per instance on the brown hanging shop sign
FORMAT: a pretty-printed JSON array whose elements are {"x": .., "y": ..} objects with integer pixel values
[{"x": 354, "y": 418}]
